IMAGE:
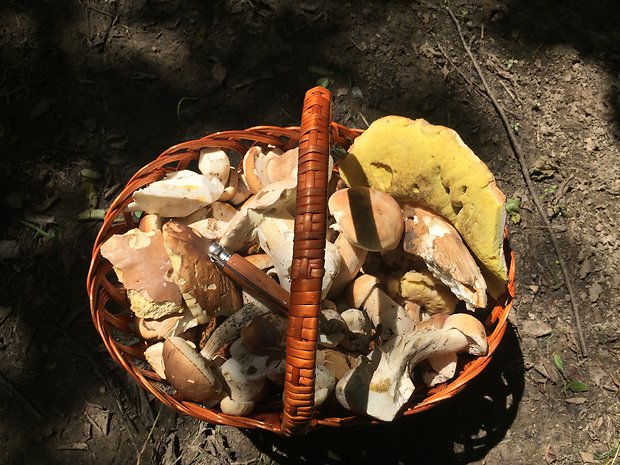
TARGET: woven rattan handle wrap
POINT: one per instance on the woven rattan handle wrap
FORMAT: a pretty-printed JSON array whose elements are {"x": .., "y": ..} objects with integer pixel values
[{"x": 308, "y": 261}]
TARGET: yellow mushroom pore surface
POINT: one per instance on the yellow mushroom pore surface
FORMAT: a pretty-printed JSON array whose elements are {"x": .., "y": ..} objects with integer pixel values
[{"x": 416, "y": 161}]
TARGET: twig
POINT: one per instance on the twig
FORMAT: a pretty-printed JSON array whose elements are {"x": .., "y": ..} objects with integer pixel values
[
  {"x": 7, "y": 385},
  {"x": 472, "y": 84},
  {"x": 528, "y": 181},
  {"x": 148, "y": 437}
]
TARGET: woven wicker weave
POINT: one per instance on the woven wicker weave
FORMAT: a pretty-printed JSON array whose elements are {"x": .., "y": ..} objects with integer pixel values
[{"x": 296, "y": 414}]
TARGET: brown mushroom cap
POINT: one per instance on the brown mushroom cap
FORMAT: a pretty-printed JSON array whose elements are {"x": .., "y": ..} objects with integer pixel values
[
  {"x": 141, "y": 263},
  {"x": 206, "y": 290},
  {"x": 369, "y": 218},
  {"x": 188, "y": 373}
]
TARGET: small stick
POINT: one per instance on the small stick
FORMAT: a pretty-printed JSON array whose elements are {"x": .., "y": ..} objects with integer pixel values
[
  {"x": 530, "y": 185},
  {"x": 148, "y": 437}
]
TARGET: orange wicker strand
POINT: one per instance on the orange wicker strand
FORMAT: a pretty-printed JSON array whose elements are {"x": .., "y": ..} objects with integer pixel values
[{"x": 113, "y": 319}]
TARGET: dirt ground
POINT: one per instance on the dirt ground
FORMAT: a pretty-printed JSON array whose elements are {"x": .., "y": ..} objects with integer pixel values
[{"x": 91, "y": 90}]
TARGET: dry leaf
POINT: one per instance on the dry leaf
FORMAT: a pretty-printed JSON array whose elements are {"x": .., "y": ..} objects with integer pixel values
[{"x": 535, "y": 328}]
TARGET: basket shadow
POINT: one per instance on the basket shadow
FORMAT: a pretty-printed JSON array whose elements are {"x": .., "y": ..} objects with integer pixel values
[{"x": 460, "y": 430}]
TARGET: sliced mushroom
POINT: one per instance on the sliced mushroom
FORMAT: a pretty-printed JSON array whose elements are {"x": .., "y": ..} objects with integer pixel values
[
  {"x": 324, "y": 383},
  {"x": 189, "y": 374},
  {"x": 230, "y": 189},
  {"x": 369, "y": 218},
  {"x": 332, "y": 328},
  {"x": 381, "y": 384},
  {"x": 422, "y": 288},
  {"x": 142, "y": 265},
  {"x": 230, "y": 329},
  {"x": 438, "y": 243},
  {"x": 274, "y": 200},
  {"x": 213, "y": 163},
  {"x": 265, "y": 332},
  {"x": 212, "y": 222},
  {"x": 177, "y": 195},
  {"x": 245, "y": 375},
  {"x": 359, "y": 330},
  {"x": 385, "y": 314},
  {"x": 351, "y": 261},
  {"x": 207, "y": 291},
  {"x": 154, "y": 355}
]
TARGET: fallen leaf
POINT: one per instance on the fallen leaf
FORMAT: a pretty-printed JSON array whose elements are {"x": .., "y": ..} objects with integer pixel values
[
  {"x": 595, "y": 292},
  {"x": 577, "y": 386},
  {"x": 549, "y": 454},
  {"x": 576, "y": 400},
  {"x": 587, "y": 457},
  {"x": 535, "y": 328}
]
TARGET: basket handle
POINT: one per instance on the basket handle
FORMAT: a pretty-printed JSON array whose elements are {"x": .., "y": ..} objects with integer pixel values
[{"x": 308, "y": 266}]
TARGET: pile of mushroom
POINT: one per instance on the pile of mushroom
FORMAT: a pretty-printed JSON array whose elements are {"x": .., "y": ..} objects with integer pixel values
[{"x": 400, "y": 292}]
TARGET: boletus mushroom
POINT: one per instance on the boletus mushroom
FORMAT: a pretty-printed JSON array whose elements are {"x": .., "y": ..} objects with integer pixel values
[{"x": 380, "y": 385}]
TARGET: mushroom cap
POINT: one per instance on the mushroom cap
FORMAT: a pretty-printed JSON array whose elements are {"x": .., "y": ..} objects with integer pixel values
[
  {"x": 188, "y": 373},
  {"x": 359, "y": 290},
  {"x": 369, "y": 218},
  {"x": 472, "y": 329},
  {"x": 206, "y": 289},
  {"x": 418, "y": 161},
  {"x": 141, "y": 264}
]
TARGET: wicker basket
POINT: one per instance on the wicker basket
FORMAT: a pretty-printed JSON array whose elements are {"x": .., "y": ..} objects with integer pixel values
[{"x": 296, "y": 413}]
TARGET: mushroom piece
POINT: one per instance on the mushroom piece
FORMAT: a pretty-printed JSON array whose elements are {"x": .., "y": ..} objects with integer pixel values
[
  {"x": 276, "y": 237},
  {"x": 381, "y": 384},
  {"x": 255, "y": 166},
  {"x": 385, "y": 314},
  {"x": 332, "y": 328},
  {"x": 142, "y": 265},
  {"x": 432, "y": 238},
  {"x": 242, "y": 192},
  {"x": 359, "y": 330},
  {"x": 207, "y": 291},
  {"x": 213, "y": 163},
  {"x": 245, "y": 375},
  {"x": 369, "y": 218},
  {"x": 336, "y": 361},
  {"x": 230, "y": 189},
  {"x": 324, "y": 383},
  {"x": 439, "y": 369},
  {"x": 150, "y": 222},
  {"x": 351, "y": 261},
  {"x": 230, "y": 329},
  {"x": 189, "y": 374},
  {"x": 424, "y": 289},
  {"x": 265, "y": 332},
  {"x": 177, "y": 195},
  {"x": 211, "y": 222},
  {"x": 154, "y": 355},
  {"x": 274, "y": 200}
]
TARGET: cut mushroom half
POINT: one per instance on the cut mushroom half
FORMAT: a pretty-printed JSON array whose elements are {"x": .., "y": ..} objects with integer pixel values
[
  {"x": 142, "y": 265},
  {"x": 206, "y": 290},
  {"x": 432, "y": 238},
  {"x": 177, "y": 195},
  {"x": 385, "y": 314},
  {"x": 381, "y": 384}
]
